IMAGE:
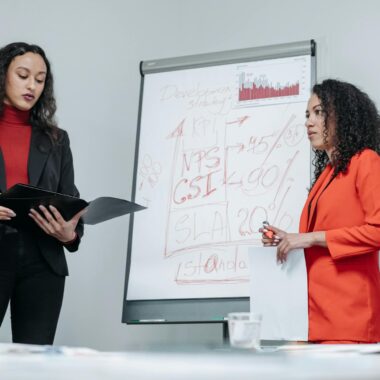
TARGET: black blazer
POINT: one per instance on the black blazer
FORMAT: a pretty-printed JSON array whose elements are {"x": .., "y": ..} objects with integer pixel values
[{"x": 50, "y": 166}]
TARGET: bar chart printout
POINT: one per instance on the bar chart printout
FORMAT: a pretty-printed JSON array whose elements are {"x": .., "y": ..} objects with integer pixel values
[
  {"x": 272, "y": 82},
  {"x": 261, "y": 88}
]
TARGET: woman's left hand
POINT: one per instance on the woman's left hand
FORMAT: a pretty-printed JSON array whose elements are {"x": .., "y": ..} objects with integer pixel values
[
  {"x": 290, "y": 241},
  {"x": 285, "y": 241},
  {"x": 54, "y": 225}
]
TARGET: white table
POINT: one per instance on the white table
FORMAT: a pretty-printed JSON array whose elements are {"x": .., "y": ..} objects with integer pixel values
[{"x": 194, "y": 364}]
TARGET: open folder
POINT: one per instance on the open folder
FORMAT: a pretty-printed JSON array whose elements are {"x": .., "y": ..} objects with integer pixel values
[{"x": 21, "y": 198}]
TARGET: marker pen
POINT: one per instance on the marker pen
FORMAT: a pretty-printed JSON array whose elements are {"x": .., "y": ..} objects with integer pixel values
[{"x": 268, "y": 234}]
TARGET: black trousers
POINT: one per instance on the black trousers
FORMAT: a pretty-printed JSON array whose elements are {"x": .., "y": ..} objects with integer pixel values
[{"x": 34, "y": 291}]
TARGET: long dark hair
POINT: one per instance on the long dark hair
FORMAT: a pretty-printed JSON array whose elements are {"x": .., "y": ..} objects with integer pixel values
[
  {"x": 43, "y": 112},
  {"x": 357, "y": 124}
]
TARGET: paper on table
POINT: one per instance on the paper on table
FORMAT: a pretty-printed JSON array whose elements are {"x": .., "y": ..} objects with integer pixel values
[
  {"x": 27, "y": 349},
  {"x": 328, "y": 349},
  {"x": 279, "y": 292}
]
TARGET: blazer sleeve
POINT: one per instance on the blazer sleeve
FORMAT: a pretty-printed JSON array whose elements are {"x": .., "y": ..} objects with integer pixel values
[
  {"x": 365, "y": 238},
  {"x": 67, "y": 185}
]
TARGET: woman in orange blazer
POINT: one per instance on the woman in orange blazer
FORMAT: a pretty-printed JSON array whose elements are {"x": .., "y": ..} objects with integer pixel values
[{"x": 340, "y": 223}]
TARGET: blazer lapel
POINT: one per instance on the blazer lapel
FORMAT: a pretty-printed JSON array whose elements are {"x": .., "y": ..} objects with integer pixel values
[
  {"x": 323, "y": 182},
  {"x": 40, "y": 146},
  {"x": 3, "y": 184},
  {"x": 303, "y": 219}
]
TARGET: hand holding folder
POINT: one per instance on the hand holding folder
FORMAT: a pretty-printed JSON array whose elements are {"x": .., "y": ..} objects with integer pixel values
[{"x": 21, "y": 198}]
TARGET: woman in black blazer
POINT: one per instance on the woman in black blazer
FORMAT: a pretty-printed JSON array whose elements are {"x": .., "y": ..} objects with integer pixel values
[{"x": 33, "y": 150}]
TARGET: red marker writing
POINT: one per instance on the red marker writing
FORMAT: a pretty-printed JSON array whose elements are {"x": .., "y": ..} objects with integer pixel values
[{"x": 268, "y": 234}]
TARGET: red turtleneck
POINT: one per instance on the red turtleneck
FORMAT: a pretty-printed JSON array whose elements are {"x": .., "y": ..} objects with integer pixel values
[{"x": 15, "y": 135}]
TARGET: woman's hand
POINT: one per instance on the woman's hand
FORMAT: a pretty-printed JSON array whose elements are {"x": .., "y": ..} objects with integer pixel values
[
  {"x": 54, "y": 225},
  {"x": 286, "y": 242},
  {"x": 272, "y": 239},
  {"x": 6, "y": 213},
  {"x": 292, "y": 241}
]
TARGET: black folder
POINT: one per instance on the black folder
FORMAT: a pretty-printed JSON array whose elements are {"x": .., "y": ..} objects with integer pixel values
[{"x": 21, "y": 198}]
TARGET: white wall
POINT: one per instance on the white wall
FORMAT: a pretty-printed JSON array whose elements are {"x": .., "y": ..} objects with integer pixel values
[{"x": 95, "y": 47}]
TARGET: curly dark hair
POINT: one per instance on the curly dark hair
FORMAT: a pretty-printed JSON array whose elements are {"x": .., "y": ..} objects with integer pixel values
[
  {"x": 43, "y": 112},
  {"x": 357, "y": 124}
]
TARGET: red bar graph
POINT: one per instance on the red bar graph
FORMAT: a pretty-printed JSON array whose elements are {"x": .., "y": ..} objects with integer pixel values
[{"x": 262, "y": 89}]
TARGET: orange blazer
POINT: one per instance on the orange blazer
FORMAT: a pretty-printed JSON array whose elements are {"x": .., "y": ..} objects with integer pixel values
[{"x": 344, "y": 279}]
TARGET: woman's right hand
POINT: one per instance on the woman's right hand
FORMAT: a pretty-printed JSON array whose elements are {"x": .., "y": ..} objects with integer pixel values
[
  {"x": 6, "y": 213},
  {"x": 277, "y": 235}
]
